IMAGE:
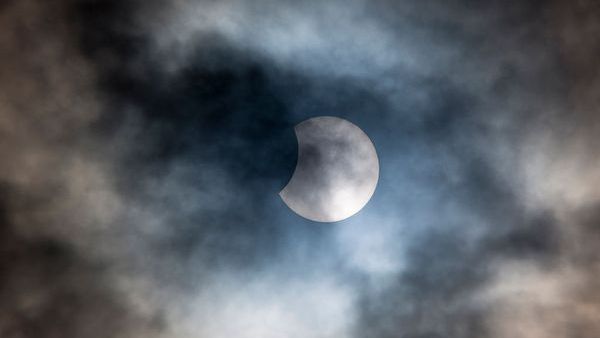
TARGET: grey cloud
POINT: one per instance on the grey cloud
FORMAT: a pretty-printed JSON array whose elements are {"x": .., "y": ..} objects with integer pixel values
[{"x": 144, "y": 144}]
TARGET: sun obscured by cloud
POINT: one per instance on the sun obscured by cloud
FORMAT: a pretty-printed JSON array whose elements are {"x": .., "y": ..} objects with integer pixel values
[{"x": 143, "y": 145}]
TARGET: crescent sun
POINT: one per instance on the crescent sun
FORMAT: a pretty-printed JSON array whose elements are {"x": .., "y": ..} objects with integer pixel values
[{"x": 336, "y": 173}]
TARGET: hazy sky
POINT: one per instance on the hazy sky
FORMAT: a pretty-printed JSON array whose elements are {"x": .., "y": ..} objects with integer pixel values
[{"x": 143, "y": 145}]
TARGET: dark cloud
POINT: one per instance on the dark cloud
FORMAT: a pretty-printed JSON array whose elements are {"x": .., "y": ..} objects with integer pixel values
[
  {"x": 144, "y": 144},
  {"x": 49, "y": 290}
]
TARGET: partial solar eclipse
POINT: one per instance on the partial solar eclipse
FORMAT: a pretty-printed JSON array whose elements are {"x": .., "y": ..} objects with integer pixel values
[{"x": 336, "y": 173}]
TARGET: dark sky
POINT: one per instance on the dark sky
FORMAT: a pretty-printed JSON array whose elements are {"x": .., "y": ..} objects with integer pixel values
[{"x": 143, "y": 145}]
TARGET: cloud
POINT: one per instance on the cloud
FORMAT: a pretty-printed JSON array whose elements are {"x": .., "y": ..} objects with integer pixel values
[{"x": 144, "y": 143}]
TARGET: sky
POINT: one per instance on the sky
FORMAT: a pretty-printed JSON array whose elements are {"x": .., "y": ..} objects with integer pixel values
[{"x": 143, "y": 145}]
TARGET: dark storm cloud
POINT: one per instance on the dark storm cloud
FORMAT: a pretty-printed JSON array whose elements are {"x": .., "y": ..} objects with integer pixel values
[
  {"x": 49, "y": 287},
  {"x": 49, "y": 290},
  {"x": 144, "y": 144}
]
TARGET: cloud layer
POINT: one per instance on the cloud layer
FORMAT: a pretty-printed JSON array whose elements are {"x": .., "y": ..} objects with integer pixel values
[{"x": 143, "y": 145}]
